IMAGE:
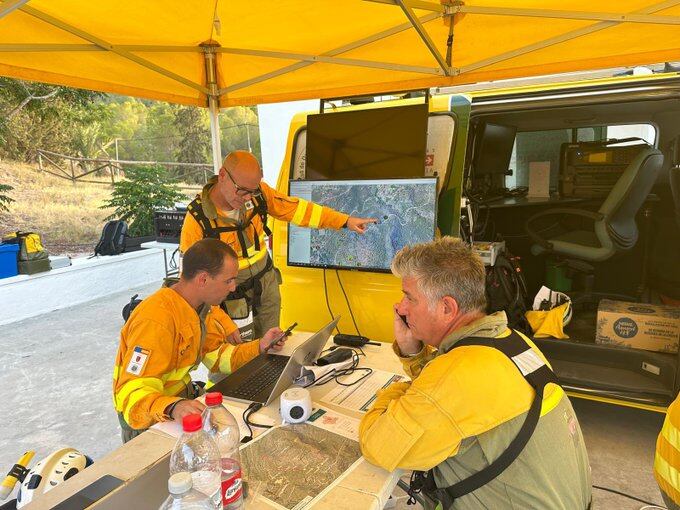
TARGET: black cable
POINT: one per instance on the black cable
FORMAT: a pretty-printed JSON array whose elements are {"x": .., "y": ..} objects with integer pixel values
[
  {"x": 349, "y": 307},
  {"x": 336, "y": 374},
  {"x": 173, "y": 263},
  {"x": 328, "y": 303},
  {"x": 252, "y": 408},
  {"x": 624, "y": 495}
]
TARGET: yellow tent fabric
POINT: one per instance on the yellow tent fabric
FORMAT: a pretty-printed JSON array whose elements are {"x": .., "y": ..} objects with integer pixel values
[{"x": 299, "y": 49}]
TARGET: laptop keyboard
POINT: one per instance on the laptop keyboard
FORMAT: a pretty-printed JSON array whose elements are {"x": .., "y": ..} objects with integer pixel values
[{"x": 258, "y": 381}]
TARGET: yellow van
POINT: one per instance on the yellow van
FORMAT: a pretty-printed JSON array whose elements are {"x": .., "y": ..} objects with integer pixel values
[{"x": 576, "y": 180}]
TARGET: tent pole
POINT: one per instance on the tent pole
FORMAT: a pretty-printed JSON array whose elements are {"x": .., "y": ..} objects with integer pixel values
[
  {"x": 213, "y": 101},
  {"x": 214, "y": 110}
]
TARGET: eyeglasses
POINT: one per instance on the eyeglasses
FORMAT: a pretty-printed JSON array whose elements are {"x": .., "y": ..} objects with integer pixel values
[{"x": 241, "y": 191}]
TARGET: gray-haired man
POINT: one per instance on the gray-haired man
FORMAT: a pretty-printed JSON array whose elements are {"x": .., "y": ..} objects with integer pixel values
[{"x": 482, "y": 423}]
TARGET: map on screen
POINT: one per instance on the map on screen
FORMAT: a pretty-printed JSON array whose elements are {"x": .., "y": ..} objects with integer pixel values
[{"x": 405, "y": 209}]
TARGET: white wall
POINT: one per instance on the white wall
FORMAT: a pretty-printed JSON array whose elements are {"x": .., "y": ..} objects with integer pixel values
[
  {"x": 274, "y": 120},
  {"x": 25, "y": 296}
]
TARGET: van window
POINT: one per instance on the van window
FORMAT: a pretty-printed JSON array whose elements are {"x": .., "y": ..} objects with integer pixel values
[{"x": 545, "y": 146}]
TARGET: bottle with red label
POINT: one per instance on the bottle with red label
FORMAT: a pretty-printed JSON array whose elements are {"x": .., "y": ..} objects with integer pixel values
[
  {"x": 219, "y": 424},
  {"x": 196, "y": 453}
]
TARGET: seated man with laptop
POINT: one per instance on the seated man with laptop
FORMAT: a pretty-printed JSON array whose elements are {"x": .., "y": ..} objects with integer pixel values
[
  {"x": 171, "y": 332},
  {"x": 264, "y": 378}
]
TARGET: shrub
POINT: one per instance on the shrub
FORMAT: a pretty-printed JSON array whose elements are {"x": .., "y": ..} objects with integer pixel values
[
  {"x": 5, "y": 200},
  {"x": 145, "y": 189}
]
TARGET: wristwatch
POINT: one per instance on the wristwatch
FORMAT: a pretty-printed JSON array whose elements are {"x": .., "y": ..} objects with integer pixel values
[{"x": 171, "y": 407}]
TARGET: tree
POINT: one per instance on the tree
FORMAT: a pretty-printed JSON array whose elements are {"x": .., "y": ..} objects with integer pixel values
[
  {"x": 145, "y": 190},
  {"x": 194, "y": 141},
  {"x": 240, "y": 130},
  {"x": 5, "y": 200},
  {"x": 35, "y": 115}
]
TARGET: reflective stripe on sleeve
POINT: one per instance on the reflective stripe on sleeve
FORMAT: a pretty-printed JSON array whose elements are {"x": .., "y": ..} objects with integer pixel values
[
  {"x": 667, "y": 476},
  {"x": 219, "y": 359},
  {"x": 178, "y": 374},
  {"x": 671, "y": 434},
  {"x": 135, "y": 397},
  {"x": 300, "y": 212},
  {"x": 316, "y": 216},
  {"x": 135, "y": 390},
  {"x": 175, "y": 387}
]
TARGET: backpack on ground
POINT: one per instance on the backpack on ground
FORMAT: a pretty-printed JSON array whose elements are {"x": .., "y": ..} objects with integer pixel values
[
  {"x": 506, "y": 290},
  {"x": 30, "y": 245},
  {"x": 112, "y": 240}
]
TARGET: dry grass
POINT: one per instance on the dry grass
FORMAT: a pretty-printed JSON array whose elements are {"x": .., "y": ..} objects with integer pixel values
[{"x": 66, "y": 214}]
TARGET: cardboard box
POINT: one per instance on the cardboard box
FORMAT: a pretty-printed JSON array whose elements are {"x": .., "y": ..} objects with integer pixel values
[
  {"x": 488, "y": 251},
  {"x": 638, "y": 325}
]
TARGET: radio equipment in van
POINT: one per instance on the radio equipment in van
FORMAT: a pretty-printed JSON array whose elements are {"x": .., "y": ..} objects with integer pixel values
[{"x": 591, "y": 169}]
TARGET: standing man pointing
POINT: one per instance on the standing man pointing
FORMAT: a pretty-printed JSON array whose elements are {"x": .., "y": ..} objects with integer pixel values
[{"x": 234, "y": 206}]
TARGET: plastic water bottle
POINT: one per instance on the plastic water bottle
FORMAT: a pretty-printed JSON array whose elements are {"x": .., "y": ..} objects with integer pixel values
[
  {"x": 219, "y": 423},
  {"x": 183, "y": 496},
  {"x": 196, "y": 453}
]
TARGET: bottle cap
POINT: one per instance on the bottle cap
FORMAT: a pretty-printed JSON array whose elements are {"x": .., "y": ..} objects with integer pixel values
[
  {"x": 213, "y": 398},
  {"x": 179, "y": 483},
  {"x": 192, "y": 423}
]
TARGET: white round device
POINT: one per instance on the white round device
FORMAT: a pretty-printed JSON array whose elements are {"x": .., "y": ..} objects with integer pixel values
[{"x": 295, "y": 405}]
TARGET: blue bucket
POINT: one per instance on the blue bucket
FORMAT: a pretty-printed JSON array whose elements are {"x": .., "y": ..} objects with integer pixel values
[{"x": 9, "y": 264}]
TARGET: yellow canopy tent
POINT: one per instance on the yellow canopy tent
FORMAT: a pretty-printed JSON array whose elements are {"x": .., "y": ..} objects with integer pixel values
[{"x": 220, "y": 53}]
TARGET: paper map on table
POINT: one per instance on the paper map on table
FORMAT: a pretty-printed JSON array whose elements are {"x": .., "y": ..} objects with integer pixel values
[
  {"x": 335, "y": 422},
  {"x": 293, "y": 464},
  {"x": 360, "y": 396}
]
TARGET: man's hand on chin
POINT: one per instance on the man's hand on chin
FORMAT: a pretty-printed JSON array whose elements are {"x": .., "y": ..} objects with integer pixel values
[{"x": 404, "y": 336}]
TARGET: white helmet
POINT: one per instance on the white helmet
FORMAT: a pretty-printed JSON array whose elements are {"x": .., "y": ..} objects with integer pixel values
[
  {"x": 547, "y": 299},
  {"x": 50, "y": 472}
]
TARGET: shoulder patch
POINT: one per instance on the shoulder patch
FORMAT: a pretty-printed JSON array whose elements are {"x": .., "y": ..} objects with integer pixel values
[{"x": 138, "y": 361}]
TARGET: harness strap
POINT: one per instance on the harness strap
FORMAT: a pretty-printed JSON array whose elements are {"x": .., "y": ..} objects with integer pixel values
[
  {"x": 241, "y": 291},
  {"x": 538, "y": 375},
  {"x": 210, "y": 228},
  {"x": 261, "y": 209}
]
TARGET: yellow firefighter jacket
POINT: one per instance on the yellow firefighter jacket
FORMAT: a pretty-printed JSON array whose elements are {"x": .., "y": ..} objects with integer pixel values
[
  {"x": 161, "y": 343},
  {"x": 667, "y": 458},
  {"x": 462, "y": 410},
  {"x": 282, "y": 207}
]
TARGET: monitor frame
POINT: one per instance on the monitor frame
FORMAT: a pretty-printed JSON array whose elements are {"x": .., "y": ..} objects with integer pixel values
[
  {"x": 433, "y": 179},
  {"x": 481, "y": 142},
  {"x": 333, "y": 117}
]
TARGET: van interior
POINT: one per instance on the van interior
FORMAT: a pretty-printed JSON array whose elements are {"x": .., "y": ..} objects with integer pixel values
[
  {"x": 581, "y": 183},
  {"x": 560, "y": 147}
]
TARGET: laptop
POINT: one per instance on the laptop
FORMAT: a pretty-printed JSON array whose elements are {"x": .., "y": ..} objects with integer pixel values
[{"x": 267, "y": 376}]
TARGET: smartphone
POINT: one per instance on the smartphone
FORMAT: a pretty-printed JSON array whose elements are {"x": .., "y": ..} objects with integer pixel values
[{"x": 283, "y": 335}]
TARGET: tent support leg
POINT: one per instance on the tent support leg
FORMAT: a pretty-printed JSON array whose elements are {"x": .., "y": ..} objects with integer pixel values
[
  {"x": 213, "y": 102},
  {"x": 214, "y": 111}
]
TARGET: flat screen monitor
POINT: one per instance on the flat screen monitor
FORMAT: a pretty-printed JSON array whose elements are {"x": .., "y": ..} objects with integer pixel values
[
  {"x": 377, "y": 143},
  {"x": 493, "y": 149},
  {"x": 406, "y": 213}
]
